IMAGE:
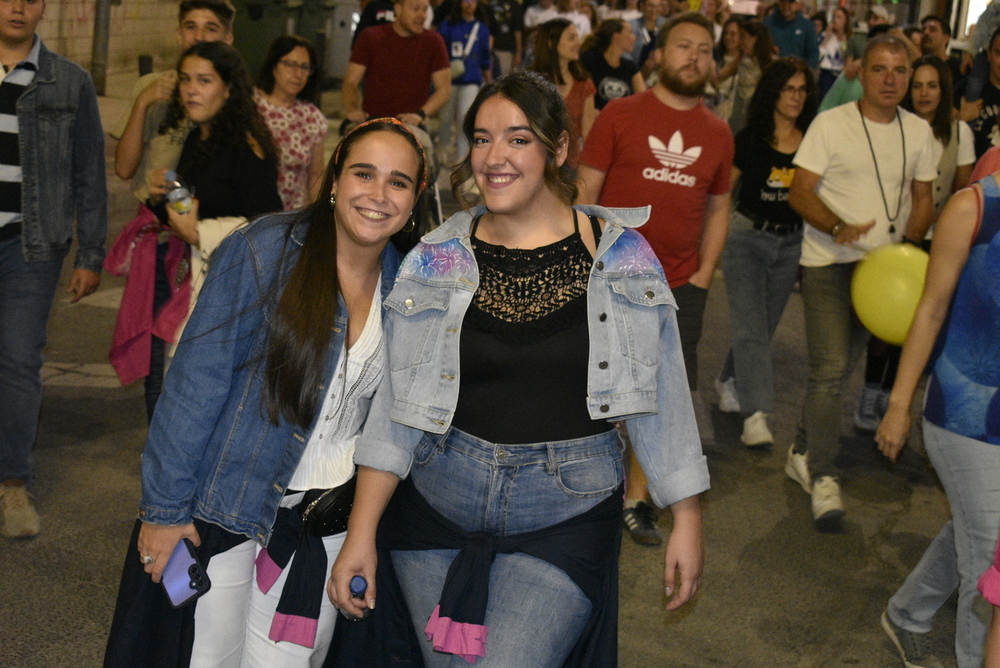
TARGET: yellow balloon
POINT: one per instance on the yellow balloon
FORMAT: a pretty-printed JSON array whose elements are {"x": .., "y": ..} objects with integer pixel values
[{"x": 886, "y": 287}]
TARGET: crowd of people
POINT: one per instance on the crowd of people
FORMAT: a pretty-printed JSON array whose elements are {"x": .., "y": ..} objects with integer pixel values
[{"x": 317, "y": 349}]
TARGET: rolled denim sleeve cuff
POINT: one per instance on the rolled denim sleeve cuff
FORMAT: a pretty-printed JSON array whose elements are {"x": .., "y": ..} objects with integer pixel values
[
  {"x": 680, "y": 485},
  {"x": 89, "y": 259},
  {"x": 383, "y": 456},
  {"x": 167, "y": 517}
]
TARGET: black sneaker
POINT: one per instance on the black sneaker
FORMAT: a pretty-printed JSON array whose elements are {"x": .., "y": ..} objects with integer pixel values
[{"x": 640, "y": 522}]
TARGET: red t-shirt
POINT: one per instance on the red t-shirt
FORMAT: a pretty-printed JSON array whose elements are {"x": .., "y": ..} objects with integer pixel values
[
  {"x": 652, "y": 154},
  {"x": 397, "y": 69}
]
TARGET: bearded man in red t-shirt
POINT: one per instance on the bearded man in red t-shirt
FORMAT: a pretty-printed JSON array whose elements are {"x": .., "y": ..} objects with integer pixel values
[{"x": 665, "y": 149}]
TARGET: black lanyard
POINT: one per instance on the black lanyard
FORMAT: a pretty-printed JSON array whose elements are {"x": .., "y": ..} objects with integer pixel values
[{"x": 902, "y": 179}]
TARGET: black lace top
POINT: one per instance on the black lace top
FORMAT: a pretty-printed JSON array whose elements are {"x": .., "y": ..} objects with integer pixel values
[{"x": 525, "y": 343}]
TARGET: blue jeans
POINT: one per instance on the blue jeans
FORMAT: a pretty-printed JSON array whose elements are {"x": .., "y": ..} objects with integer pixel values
[
  {"x": 760, "y": 270},
  {"x": 27, "y": 290},
  {"x": 969, "y": 470},
  {"x": 835, "y": 340},
  {"x": 536, "y": 613}
]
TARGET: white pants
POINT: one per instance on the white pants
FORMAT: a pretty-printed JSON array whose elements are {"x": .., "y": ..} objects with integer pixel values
[
  {"x": 452, "y": 115},
  {"x": 232, "y": 620}
]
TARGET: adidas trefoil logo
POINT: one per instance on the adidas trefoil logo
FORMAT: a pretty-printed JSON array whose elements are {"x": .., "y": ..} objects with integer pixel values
[{"x": 673, "y": 154}]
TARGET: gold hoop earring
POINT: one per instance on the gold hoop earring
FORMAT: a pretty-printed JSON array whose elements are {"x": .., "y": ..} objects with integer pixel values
[
  {"x": 333, "y": 200},
  {"x": 411, "y": 225}
]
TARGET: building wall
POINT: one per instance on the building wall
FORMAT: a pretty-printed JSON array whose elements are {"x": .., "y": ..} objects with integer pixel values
[{"x": 137, "y": 27}]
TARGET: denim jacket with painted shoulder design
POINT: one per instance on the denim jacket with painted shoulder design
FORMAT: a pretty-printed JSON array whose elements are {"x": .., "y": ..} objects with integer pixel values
[{"x": 635, "y": 367}]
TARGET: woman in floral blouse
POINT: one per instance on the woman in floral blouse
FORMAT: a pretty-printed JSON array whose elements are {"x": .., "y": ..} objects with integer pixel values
[{"x": 287, "y": 88}]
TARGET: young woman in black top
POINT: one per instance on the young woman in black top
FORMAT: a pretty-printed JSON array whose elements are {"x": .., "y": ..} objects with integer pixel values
[
  {"x": 761, "y": 259},
  {"x": 615, "y": 75},
  {"x": 228, "y": 160}
]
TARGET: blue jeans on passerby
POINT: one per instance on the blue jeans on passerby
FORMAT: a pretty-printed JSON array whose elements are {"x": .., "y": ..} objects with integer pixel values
[
  {"x": 969, "y": 471},
  {"x": 835, "y": 340},
  {"x": 536, "y": 613},
  {"x": 27, "y": 290},
  {"x": 760, "y": 269}
]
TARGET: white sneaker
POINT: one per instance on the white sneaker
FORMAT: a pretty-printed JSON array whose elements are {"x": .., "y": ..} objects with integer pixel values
[
  {"x": 797, "y": 468},
  {"x": 826, "y": 504},
  {"x": 755, "y": 431},
  {"x": 18, "y": 518},
  {"x": 729, "y": 402}
]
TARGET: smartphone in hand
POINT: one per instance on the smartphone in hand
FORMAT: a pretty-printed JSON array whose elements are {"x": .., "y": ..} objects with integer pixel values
[{"x": 184, "y": 579}]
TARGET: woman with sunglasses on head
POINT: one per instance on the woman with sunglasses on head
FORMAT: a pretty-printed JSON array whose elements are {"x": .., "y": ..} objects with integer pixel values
[
  {"x": 518, "y": 333},
  {"x": 286, "y": 95},
  {"x": 761, "y": 259},
  {"x": 258, "y": 419}
]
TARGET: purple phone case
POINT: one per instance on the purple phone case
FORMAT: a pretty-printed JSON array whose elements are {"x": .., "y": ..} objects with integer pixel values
[{"x": 184, "y": 579}]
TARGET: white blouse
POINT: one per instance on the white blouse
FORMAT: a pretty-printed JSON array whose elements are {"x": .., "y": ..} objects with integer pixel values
[{"x": 328, "y": 460}]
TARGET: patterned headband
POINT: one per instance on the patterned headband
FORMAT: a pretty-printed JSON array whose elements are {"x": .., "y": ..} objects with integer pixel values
[{"x": 400, "y": 124}]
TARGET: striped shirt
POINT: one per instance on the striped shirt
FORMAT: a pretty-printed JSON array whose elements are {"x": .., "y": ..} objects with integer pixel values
[{"x": 11, "y": 88}]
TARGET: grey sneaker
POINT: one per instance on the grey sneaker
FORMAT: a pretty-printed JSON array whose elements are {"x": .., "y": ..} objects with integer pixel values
[
  {"x": 755, "y": 431},
  {"x": 18, "y": 518},
  {"x": 827, "y": 507},
  {"x": 797, "y": 468},
  {"x": 871, "y": 407},
  {"x": 729, "y": 402},
  {"x": 912, "y": 647},
  {"x": 640, "y": 522}
]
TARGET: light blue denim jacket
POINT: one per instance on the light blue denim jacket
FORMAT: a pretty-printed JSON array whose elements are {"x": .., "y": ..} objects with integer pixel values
[
  {"x": 62, "y": 163},
  {"x": 210, "y": 452},
  {"x": 636, "y": 370}
]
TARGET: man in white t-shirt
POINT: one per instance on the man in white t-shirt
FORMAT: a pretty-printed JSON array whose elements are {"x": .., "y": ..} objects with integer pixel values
[{"x": 863, "y": 179}]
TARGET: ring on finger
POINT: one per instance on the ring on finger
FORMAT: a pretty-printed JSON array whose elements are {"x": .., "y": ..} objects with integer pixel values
[{"x": 147, "y": 559}]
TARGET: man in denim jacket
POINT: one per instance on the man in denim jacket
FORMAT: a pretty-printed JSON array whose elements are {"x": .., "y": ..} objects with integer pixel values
[{"x": 52, "y": 172}]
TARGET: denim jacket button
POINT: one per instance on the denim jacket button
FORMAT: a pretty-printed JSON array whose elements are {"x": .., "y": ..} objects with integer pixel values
[
  {"x": 605, "y": 408},
  {"x": 649, "y": 294},
  {"x": 600, "y": 265},
  {"x": 603, "y": 365},
  {"x": 408, "y": 303},
  {"x": 602, "y": 317}
]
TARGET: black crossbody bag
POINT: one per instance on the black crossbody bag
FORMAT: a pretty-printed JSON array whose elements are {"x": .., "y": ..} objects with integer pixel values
[{"x": 325, "y": 511}]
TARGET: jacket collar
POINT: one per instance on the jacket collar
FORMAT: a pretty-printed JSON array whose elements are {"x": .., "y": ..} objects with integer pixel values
[{"x": 46, "y": 69}]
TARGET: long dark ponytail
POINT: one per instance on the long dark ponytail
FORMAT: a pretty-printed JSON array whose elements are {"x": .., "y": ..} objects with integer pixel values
[{"x": 299, "y": 338}]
